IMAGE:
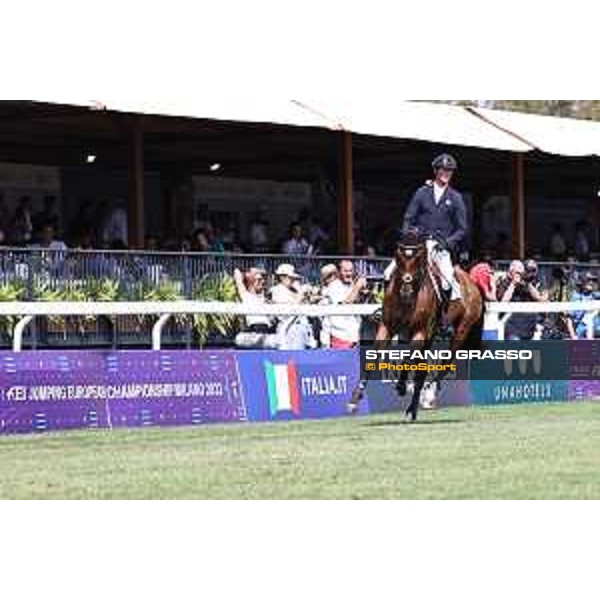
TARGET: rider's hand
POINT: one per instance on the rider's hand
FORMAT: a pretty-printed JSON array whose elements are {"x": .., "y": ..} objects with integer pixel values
[{"x": 237, "y": 275}]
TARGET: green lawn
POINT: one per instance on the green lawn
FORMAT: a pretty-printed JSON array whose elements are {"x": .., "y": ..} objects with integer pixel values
[{"x": 530, "y": 451}]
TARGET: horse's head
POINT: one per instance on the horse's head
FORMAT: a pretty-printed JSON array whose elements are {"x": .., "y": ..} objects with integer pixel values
[{"x": 411, "y": 265}]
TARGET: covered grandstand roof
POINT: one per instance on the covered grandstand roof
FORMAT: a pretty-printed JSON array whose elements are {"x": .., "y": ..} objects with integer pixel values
[
  {"x": 553, "y": 135},
  {"x": 423, "y": 121},
  {"x": 439, "y": 123},
  {"x": 429, "y": 122}
]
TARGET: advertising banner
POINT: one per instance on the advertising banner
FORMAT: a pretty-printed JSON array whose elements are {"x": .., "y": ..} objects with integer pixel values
[
  {"x": 59, "y": 390},
  {"x": 50, "y": 390},
  {"x": 585, "y": 370},
  {"x": 517, "y": 391},
  {"x": 584, "y": 390},
  {"x": 305, "y": 384}
]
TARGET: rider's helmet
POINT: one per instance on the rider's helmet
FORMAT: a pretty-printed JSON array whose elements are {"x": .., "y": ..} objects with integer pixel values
[{"x": 444, "y": 161}]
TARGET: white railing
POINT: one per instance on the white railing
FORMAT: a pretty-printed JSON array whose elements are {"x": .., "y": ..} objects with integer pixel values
[
  {"x": 164, "y": 310},
  {"x": 507, "y": 309}
]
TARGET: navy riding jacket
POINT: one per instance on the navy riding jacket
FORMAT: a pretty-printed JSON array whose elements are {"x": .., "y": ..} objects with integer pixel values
[{"x": 446, "y": 220}]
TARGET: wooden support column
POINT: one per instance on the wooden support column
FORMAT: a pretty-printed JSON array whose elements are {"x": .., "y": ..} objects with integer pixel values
[
  {"x": 477, "y": 200},
  {"x": 135, "y": 205},
  {"x": 518, "y": 205},
  {"x": 345, "y": 199}
]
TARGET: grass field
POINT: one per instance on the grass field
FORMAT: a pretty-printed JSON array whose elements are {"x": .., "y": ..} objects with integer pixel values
[{"x": 529, "y": 451}]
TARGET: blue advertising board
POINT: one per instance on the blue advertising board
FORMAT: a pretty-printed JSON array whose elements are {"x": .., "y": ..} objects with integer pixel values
[
  {"x": 518, "y": 391},
  {"x": 304, "y": 384}
]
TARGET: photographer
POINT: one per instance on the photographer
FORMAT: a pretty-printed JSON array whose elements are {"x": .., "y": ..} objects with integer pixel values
[
  {"x": 294, "y": 332},
  {"x": 559, "y": 326},
  {"x": 344, "y": 289},
  {"x": 586, "y": 291},
  {"x": 521, "y": 284}
]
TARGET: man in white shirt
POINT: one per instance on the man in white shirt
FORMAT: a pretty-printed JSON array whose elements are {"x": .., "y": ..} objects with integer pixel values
[
  {"x": 47, "y": 240},
  {"x": 116, "y": 227},
  {"x": 344, "y": 331},
  {"x": 259, "y": 233},
  {"x": 55, "y": 258},
  {"x": 296, "y": 243}
]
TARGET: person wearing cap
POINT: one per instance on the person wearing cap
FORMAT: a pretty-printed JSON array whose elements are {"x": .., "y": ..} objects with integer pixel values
[
  {"x": 286, "y": 290},
  {"x": 294, "y": 332},
  {"x": 437, "y": 212},
  {"x": 344, "y": 331},
  {"x": 582, "y": 320}
]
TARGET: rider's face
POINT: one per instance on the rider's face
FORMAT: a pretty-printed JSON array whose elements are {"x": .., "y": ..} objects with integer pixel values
[{"x": 443, "y": 176}]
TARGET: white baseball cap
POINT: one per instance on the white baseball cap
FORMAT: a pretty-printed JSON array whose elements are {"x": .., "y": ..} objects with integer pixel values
[{"x": 287, "y": 270}]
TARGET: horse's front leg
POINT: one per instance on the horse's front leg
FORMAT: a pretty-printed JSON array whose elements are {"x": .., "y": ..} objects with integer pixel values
[
  {"x": 419, "y": 379},
  {"x": 382, "y": 339}
]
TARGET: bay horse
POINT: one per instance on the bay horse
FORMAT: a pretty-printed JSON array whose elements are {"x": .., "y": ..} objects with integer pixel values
[{"x": 413, "y": 308}]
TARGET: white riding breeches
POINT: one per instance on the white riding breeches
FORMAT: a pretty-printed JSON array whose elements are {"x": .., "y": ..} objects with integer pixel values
[{"x": 441, "y": 257}]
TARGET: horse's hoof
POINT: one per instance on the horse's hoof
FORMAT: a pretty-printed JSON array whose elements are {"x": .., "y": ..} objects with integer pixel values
[
  {"x": 352, "y": 406},
  {"x": 410, "y": 416}
]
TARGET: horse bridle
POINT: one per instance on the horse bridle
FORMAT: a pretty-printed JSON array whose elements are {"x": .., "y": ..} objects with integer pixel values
[{"x": 409, "y": 252}]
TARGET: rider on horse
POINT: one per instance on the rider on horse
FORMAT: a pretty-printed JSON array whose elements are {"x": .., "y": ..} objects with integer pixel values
[{"x": 437, "y": 211}]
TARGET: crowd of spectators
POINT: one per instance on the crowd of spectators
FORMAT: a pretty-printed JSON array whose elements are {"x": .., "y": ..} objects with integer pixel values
[
  {"x": 522, "y": 282},
  {"x": 104, "y": 225},
  {"x": 343, "y": 283},
  {"x": 339, "y": 284}
]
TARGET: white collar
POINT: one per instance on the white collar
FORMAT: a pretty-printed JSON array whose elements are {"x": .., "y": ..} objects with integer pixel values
[{"x": 438, "y": 192}]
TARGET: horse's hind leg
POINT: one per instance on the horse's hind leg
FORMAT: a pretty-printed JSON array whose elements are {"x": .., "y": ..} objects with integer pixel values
[
  {"x": 419, "y": 381},
  {"x": 401, "y": 383},
  {"x": 413, "y": 407},
  {"x": 382, "y": 339}
]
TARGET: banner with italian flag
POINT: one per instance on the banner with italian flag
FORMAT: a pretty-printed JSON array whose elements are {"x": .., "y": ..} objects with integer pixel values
[{"x": 282, "y": 385}]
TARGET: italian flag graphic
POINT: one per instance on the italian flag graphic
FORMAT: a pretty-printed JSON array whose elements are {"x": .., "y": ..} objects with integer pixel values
[{"x": 282, "y": 384}]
